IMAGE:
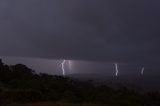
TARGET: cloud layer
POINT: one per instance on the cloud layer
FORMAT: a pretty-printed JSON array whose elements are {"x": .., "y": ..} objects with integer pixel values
[{"x": 96, "y": 30}]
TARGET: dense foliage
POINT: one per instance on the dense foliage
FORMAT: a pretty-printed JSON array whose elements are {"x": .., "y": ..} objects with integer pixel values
[{"x": 18, "y": 83}]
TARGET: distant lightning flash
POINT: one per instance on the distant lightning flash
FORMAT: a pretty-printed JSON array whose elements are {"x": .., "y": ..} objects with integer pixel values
[
  {"x": 63, "y": 67},
  {"x": 116, "y": 65},
  {"x": 70, "y": 65},
  {"x": 142, "y": 71}
]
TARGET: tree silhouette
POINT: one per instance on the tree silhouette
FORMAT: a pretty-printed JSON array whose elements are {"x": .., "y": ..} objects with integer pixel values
[{"x": 18, "y": 83}]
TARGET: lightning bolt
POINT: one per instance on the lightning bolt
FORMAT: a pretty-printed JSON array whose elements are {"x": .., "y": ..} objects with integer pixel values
[
  {"x": 142, "y": 71},
  {"x": 116, "y": 65},
  {"x": 63, "y": 67}
]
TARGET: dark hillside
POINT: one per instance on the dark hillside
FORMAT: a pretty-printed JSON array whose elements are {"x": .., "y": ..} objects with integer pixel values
[{"x": 18, "y": 83}]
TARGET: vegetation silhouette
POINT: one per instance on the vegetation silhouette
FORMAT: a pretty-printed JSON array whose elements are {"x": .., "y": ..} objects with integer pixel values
[{"x": 18, "y": 83}]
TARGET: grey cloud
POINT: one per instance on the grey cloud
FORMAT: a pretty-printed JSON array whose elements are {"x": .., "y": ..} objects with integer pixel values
[{"x": 99, "y": 30}]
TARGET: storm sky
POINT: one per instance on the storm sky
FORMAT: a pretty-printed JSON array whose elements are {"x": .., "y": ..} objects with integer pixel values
[{"x": 123, "y": 31}]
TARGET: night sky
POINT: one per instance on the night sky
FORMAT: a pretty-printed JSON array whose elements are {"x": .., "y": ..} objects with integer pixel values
[{"x": 99, "y": 32}]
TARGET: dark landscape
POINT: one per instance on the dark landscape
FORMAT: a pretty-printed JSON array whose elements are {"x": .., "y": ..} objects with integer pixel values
[{"x": 21, "y": 85}]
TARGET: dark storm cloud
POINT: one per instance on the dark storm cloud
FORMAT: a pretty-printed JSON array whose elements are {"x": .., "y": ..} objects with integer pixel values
[{"x": 105, "y": 30}]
